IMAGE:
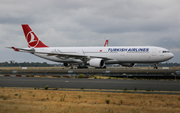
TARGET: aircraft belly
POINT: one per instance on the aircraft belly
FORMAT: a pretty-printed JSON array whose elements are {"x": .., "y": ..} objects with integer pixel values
[{"x": 112, "y": 62}]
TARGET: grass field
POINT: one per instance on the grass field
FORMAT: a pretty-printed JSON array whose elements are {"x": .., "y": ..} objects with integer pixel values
[{"x": 47, "y": 101}]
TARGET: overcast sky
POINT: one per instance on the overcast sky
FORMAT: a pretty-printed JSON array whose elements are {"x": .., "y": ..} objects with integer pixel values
[{"x": 88, "y": 23}]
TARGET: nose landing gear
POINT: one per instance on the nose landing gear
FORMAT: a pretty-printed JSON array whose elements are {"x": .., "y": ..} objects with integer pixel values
[{"x": 156, "y": 66}]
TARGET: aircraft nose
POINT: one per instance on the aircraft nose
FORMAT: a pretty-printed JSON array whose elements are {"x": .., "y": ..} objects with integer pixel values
[{"x": 171, "y": 55}]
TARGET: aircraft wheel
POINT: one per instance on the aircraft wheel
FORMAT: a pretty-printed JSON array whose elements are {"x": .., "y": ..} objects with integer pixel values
[
  {"x": 82, "y": 67},
  {"x": 155, "y": 66}
]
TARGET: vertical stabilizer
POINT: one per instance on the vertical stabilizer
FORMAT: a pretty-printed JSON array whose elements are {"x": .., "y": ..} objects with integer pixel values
[
  {"x": 106, "y": 43},
  {"x": 32, "y": 39}
]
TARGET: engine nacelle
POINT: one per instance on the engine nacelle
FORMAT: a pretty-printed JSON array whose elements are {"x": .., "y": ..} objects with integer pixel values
[
  {"x": 128, "y": 64},
  {"x": 66, "y": 64},
  {"x": 96, "y": 62}
]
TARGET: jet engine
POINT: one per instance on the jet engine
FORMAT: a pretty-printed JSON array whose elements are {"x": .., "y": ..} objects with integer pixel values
[
  {"x": 128, "y": 64},
  {"x": 96, "y": 62},
  {"x": 66, "y": 64}
]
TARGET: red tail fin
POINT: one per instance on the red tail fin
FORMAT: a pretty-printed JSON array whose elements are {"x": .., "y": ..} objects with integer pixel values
[
  {"x": 106, "y": 43},
  {"x": 32, "y": 39}
]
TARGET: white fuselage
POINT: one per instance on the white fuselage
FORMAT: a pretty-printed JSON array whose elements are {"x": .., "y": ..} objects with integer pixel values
[{"x": 116, "y": 54}]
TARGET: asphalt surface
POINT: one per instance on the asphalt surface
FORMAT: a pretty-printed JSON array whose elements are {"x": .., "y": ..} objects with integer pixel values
[
  {"x": 118, "y": 72},
  {"x": 90, "y": 83}
]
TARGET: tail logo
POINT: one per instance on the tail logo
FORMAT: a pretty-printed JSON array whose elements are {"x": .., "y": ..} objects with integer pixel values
[
  {"x": 106, "y": 43},
  {"x": 32, "y": 40}
]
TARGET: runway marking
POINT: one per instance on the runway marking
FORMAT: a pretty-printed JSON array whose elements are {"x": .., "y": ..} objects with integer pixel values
[{"x": 113, "y": 82}]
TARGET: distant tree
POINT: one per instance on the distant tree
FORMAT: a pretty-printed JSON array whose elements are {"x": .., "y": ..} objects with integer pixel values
[{"x": 25, "y": 64}]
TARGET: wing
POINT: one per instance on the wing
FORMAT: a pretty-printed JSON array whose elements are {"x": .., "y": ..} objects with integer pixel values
[
  {"x": 75, "y": 56},
  {"x": 65, "y": 55}
]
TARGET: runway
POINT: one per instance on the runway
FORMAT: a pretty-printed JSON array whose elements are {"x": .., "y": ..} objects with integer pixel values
[
  {"x": 119, "y": 72},
  {"x": 129, "y": 73},
  {"x": 90, "y": 83}
]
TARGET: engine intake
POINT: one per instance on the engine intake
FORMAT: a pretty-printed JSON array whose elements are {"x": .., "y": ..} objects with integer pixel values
[{"x": 66, "y": 64}]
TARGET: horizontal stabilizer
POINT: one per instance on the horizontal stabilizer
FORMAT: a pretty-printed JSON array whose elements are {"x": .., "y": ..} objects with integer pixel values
[
  {"x": 29, "y": 50},
  {"x": 15, "y": 49}
]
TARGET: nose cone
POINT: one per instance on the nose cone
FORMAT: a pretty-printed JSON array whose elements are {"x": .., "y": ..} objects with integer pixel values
[
  {"x": 168, "y": 56},
  {"x": 171, "y": 55}
]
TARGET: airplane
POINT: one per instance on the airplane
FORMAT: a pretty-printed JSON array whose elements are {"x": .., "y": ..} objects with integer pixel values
[{"x": 94, "y": 56}]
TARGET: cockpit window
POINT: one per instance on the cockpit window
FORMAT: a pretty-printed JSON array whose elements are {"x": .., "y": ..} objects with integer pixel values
[{"x": 165, "y": 52}]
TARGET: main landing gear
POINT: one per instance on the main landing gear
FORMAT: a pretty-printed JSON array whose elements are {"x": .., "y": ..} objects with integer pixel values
[
  {"x": 82, "y": 67},
  {"x": 104, "y": 67},
  {"x": 156, "y": 66},
  {"x": 71, "y": 66}
]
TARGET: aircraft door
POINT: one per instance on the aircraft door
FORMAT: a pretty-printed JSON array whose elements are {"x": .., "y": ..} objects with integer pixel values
[{"x": 154, "y": 51}]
